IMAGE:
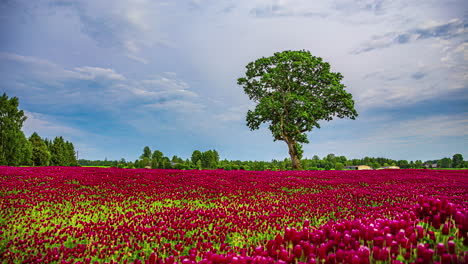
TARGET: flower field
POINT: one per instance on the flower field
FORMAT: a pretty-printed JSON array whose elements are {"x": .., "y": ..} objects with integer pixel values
[{"x": 99, "y": 215}]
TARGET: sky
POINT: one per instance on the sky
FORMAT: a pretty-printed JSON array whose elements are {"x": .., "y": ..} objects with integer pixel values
[{"x": 113, "y": 76}]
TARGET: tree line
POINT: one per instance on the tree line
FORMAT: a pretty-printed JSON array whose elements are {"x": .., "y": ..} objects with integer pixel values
[
  {"x": 210, "y": 160},
  {"x": 17, "y": 150}
]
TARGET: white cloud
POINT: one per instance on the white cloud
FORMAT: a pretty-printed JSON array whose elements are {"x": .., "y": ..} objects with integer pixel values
[
  {"x": 166, "y": 83},
  {"x": 131, "y": 25},
  {"x": 91, "y": 73},
  {"x": 178, "y": 106},
  {"x": 25, "y": 59},
  {"x": 167, "y": 87},
  {"x": 440, "y": 31},
  {"x": 47, "y": 70},
  {"x": 138, "y": 59},
  {"x": 47, "y": 126}
]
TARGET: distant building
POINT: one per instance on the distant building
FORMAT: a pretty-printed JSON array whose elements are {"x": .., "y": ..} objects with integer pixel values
[
  {"x": 388, "y": 167},
  {"x": 359, "y": 167},
  {"x": 433, "y": 165}
]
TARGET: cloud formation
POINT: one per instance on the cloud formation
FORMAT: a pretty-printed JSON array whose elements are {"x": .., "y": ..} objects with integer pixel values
[
  {"x": 161, "y": 71},
  {"x": 452, "y": 29}
]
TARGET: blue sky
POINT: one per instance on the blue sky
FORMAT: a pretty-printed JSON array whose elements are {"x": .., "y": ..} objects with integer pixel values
[{"x": 114, "y": 76}]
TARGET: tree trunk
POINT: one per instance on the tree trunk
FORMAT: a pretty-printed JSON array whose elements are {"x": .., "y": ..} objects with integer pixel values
[{"x": 296, "y": 163}]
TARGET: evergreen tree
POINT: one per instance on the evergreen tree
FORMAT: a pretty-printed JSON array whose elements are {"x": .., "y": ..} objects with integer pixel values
[
  {"x": 215, "y": 157},
  {"x": 146, "y": 153},
  {"x": 40, "y": 153},
  {"x": 457, "y": 161},
  {"x": 157, "y": 159},
  {"x": 196, "y": 156},
  {"x": 58, "y": 152},
  {"x": 25, "y": 151},
  {"x": 15, "y": 149},
  {"x": 70, "y": 154}
]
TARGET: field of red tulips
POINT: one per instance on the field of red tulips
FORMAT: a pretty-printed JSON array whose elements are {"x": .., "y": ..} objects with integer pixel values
[{"x": 101, "y": 215}]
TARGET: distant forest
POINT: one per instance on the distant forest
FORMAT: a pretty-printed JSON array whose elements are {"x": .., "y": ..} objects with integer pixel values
[{"x": 210, "y": 160}]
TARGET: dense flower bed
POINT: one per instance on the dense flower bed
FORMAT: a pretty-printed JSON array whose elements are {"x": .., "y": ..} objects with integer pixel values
[{"x": 89, "y": 215}]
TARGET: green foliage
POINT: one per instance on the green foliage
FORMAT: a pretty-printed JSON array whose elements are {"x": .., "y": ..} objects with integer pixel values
[
  {"x": 339, "y": 166},
  {"x": 146, "y": 153},
  {"x": 62, "y": 153},
  {"x": 293, "y": 91},
  {"x": 40, "y": 153},
  {"x": 444, "y": 163},
  {"x": 15, "y": 149},
  {"x": 403, "y": 164},
  {"x": 102, "y": 163},
  {"x": 376, "y": 165},
  {"x": 457, "y": 161},
  {"x": 196, "y": 156},
  {"x": 145, "y": 162},
  {"x": 57, "y": 150},
  {"x": 70, "y": 158},
  {"x": 156, "y": 159},
  {"x": 209, "y": 159}
]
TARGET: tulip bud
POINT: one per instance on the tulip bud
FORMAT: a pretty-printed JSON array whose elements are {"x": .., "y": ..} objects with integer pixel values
[
  {"x": 297, "y": 251},
  {"x": 394, "y": 248},
  {"x": 440, "y": 249},
  {"x": 427, "y": 255},
  {"x": 376, "y": 253},
  {"x": 152, "y": 258},
  {"x": 340, "y": 254},
  {"x": 445, "y": 229},
  {"x": 284, "y": 255},
  {"x": 420, "y": 231},
  {"x": 384, "y": 254},
  {"x": 388, "y": 239},
  {"x": 436, "y": 221},
  {"x": 451, "y": 247},
  {"x": 446, "y": 259},
  {"x": 278, "y": 240},
  {"x": 355, "y": 260}
]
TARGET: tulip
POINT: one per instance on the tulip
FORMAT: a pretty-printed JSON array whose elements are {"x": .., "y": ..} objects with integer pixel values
[
  {"x": 446, "y": 259},
  {"x": 451, "y": 247},
  {"x": 376, "y": 252},
  {"x": 436, "y": 221},
  {"x": 440, "y": 249},
  {"x": 278, "y": 240},
  {"x": 297, "y": 251},
  {"x": 340, "y": 254},
  {"x": 445, "y": 229},
  {"x": 427, "y": 255},
  {"x": 384, "y": 254}
]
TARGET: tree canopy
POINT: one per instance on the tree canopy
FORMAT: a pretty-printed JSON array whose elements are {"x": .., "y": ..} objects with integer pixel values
[
  {"x": 40, "y": 153},
  {"x": 293, "y": 91},
  {"x": 15, "y": 149}
]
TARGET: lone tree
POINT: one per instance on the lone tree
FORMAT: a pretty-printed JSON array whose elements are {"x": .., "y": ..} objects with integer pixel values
[{"x": 293, "y": 91}]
